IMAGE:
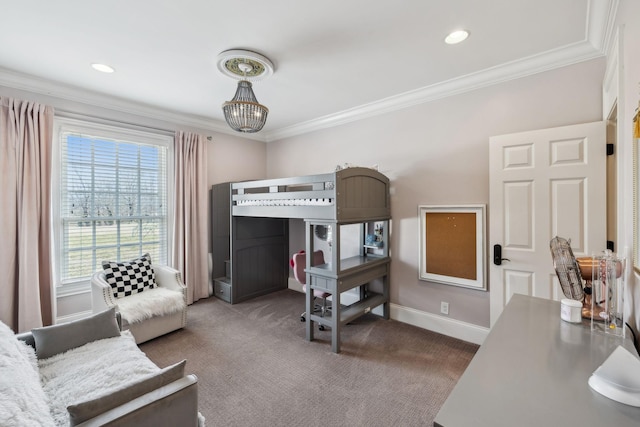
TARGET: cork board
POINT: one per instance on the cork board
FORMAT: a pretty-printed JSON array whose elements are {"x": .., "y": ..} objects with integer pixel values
[{"x": 452, "y": 245}]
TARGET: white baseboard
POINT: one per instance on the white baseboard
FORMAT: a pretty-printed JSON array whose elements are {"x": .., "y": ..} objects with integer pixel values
[
  {"x": 442, "y": 325},
  {"x": 422, "y": 319}
]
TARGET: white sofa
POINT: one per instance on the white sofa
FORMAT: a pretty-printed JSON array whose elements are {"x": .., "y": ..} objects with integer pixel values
[
  {"x": 150, "y": 313},
  {"x": 88, "y": 373}
]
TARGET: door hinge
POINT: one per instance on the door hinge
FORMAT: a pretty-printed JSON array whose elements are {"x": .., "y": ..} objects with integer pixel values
[{"x": 610, "y": 150}]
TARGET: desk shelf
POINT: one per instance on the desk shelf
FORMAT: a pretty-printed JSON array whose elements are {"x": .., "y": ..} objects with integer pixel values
[
  {"x": 368, "y": 271},
  {"x": 348, "y": 266},
  {"x": 353, "y": 311}
]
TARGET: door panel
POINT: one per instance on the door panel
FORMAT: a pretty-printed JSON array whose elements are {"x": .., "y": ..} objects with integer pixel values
[
  {"x": 567, "y": 210},
  {"x": 519, "y": 212},
  {"x": 544, "y": 183},
  {"x": 520, "y": 282}
]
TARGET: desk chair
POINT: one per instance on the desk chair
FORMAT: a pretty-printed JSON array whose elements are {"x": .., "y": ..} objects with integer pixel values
[{"x": 299, "y": 262}]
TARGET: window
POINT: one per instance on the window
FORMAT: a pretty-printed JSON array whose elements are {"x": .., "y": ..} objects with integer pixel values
[{"x": 112, "y": 198}]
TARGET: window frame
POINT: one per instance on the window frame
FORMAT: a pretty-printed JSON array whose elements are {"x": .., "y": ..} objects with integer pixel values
[
  {"x": 111, "y": 131},
  {"x": 635, "y": 153}
]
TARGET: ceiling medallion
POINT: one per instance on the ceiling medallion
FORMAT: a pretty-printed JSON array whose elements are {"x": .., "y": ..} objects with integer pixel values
[
  {"x": 244, "y": 113},
  {"x": 229, "y": 61}
]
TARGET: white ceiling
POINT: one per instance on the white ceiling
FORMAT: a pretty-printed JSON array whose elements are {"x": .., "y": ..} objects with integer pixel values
[{"x": 335, "y": 60}]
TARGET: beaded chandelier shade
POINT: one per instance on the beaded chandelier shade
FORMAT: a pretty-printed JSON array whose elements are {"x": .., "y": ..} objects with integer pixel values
[{"x": 244, "y": 113}]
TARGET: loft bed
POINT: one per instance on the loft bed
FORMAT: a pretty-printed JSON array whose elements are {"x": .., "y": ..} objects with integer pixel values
[
  {"x": 251, "y": 244},
  {"x": 347, "y": 195}
]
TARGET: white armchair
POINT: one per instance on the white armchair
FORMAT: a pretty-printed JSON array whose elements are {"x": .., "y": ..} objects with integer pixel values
[{"x": 150, "y": 313}]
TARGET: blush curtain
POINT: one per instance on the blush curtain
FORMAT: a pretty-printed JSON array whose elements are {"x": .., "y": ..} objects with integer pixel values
[
  {"x": 26, "y": 296},
  {"x": 190, "y": 254}
]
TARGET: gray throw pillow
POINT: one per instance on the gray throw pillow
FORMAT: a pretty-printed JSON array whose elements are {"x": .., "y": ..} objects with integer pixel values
[
  {"x": 81, "y": 412},
  {"x": 55, "y": 339}
]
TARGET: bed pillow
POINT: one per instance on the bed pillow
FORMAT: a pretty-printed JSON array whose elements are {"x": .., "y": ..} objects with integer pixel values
[
  {"x": 51, "y": 340},
  {"x": 81, "y": 412},
  {"x": 129, "y": 277}
]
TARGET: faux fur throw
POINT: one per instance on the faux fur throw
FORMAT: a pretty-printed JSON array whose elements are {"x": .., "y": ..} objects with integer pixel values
[
  {"x": 22, "y": 401},
  {"x": 93, "y": 370},
  {"x": 152, "y": 302}
]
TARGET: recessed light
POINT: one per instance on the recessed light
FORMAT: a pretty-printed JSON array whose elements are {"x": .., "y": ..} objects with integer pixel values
[
  {"x": 456, "y": 37},
  {"x": 103, "y": 68}
]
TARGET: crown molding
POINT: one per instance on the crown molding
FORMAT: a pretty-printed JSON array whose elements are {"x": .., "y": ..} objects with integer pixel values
[
  {"x": 572, "y": 54},
  {"x": 546, "y": 61},
  {"x": 601, "y": 17}
]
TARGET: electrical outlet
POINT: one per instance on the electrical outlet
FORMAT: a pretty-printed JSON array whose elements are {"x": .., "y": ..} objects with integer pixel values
[{"x": 444, "y": 307}]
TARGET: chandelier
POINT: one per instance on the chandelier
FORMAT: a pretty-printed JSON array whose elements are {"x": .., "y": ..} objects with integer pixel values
[{"x": 244, "y": 113}]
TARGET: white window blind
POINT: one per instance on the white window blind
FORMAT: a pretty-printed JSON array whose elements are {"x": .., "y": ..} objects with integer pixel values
[{"x": 113, "y": 198}]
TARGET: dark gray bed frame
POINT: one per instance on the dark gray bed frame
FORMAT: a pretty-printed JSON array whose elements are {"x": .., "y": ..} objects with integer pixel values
[{"x": 249, "y": 223}]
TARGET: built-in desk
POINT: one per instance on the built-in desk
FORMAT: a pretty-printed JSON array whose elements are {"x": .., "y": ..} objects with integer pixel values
[
  {"x": 532, "y": 370},
  {"x": 357, "y": 276},
  {"x": 368, "y": 271}
]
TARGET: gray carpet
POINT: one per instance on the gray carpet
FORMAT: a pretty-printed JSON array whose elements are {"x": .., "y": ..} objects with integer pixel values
[{"x": 255, "y": 367}]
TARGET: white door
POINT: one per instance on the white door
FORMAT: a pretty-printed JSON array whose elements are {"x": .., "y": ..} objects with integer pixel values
[{"x": 543, "y": 183}]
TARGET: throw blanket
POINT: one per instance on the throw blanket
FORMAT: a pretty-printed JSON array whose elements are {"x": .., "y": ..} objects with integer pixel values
[
  {"x": 22, "y": 402},
  {"x": 91, "y": 371},
  {"x": 151, "y": 302}
]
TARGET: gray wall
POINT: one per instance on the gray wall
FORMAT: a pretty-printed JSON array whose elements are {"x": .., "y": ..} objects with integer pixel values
[
  {"x": 438, "y": 153},
  {"x": 434, "y": 153}
]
